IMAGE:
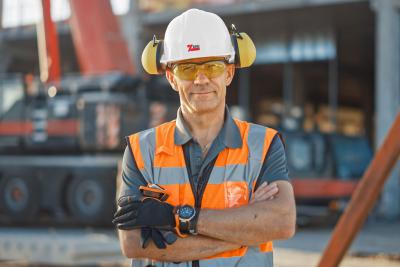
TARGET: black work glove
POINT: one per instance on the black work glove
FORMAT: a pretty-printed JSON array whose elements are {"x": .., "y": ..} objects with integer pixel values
[
  {"x": 160, "y": 237},
  {"x": 146, "y": 212}
]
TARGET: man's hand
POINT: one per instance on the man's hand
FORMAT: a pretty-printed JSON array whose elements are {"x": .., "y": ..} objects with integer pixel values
[
  {"x": 265, "y": 192},
  {"x": 149, "y": 212},
  {"x": 125, "y": 216}
]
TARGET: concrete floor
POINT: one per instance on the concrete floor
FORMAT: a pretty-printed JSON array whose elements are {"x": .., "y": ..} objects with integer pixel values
[
  {"x": 377, "y": 245},
  {"x": 298, "y": 258}
]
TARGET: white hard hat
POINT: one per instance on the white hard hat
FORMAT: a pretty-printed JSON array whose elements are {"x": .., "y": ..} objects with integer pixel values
[{"x": 196, "y": 34}]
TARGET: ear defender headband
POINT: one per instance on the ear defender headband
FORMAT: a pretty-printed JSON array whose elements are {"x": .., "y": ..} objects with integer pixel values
[{"x": 245, "y": 52}]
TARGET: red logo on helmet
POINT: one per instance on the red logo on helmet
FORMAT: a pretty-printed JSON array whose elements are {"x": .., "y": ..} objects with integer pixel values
[{"x": 192, "y": 47}]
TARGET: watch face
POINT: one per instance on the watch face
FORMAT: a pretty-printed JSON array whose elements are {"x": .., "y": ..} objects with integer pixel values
[{"x": 186, "y": 212}]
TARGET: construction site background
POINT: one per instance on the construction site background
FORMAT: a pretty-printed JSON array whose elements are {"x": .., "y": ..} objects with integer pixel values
[{"x": 72, "y": 86}]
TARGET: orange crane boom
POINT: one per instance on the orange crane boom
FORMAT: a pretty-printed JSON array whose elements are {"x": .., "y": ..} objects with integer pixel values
[
  {"x": 49, "y": 55},
  {"x": 97, "y": 38}
]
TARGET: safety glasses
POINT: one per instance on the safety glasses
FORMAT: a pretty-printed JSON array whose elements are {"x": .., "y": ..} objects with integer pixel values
[{"x": 189, "y": 71}]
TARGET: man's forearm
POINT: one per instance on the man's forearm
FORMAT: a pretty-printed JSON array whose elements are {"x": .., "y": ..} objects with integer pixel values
[
  {"x": 184, "y": 249},
  {"x": 253, "y": 224}
]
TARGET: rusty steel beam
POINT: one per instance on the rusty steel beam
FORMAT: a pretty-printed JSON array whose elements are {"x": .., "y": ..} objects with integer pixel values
[
  {"x": 323, "y": 187},
  {"x": 363, "y": 198}
]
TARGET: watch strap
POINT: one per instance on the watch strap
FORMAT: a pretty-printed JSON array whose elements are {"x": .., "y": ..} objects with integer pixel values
[
  {"x": 184, "y": 227},
  {"x": 192, "y": 224},
  {"x": 178, "y": 227}
]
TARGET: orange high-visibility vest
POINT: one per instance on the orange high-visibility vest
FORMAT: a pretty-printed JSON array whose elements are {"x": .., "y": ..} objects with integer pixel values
[{"x": 232, "y": 179}]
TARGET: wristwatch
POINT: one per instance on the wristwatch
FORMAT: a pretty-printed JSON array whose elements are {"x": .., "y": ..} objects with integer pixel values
[{"x": 187, "y": 219}]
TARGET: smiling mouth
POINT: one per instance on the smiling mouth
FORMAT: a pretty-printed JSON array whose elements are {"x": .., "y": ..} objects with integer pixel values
[{"x": 202, "y": 93}]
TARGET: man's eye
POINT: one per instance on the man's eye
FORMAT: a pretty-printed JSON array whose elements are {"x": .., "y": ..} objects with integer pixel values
[
  {"x": 213, "y": 67},
  {"x": 187, "y": 68}
]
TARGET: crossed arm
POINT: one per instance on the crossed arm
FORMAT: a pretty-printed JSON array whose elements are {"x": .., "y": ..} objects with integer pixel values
[
  {"x": 264, "y": 219},
  {"x": 184, "y": 249}
]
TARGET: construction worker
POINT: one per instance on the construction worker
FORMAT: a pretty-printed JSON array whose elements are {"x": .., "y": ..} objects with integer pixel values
[{"x": 225, "y": 181}]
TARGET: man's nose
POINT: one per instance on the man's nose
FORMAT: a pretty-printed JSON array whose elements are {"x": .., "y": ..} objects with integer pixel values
[{"x": 201, "y": 78}]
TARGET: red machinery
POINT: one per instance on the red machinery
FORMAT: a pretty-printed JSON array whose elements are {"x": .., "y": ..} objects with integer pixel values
[{"x": 61, "y": 138}]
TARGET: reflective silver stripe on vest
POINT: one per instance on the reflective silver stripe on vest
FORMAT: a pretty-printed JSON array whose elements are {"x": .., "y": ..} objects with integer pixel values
[
  {"x": 175, "y": 175},
  {"x": 255, "y": 141},
  {"x": 147, "y": 143},
  {"x": 250, "y": 259},
  {"x": 170, "y": 175}
]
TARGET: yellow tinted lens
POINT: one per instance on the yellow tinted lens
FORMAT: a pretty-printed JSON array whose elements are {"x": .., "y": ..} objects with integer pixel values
[
  {"x": 213, "y": 69},
  {"x": 186, "y": 71},
  {"x": 189, "y": 71}
]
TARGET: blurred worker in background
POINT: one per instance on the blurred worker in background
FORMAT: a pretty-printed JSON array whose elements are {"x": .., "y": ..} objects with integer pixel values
[{"x": 220, "y": 184}]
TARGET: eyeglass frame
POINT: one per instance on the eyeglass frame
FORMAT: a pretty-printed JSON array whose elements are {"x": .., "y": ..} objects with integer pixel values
[{"x": 171, "y": 66}]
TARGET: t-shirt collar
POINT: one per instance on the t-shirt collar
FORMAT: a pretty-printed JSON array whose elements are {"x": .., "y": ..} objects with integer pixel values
[{"x": 229, "y": 135}]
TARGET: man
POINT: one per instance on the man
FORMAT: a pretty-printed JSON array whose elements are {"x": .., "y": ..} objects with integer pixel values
[{"x": 226, "y": 180}]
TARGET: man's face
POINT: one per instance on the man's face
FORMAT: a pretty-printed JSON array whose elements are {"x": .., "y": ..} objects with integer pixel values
[{"x": 203, "y": 94}]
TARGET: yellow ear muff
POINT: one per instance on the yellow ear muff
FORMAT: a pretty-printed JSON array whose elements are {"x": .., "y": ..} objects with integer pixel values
[
  {"x": 151, "y": 57},
  {"x": 245, "y": 50}
]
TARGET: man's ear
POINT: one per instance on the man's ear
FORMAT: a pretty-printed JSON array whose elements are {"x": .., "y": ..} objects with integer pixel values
[
  {"x": 230, "y": 72},
  {"x": 171, "y": 79}
]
